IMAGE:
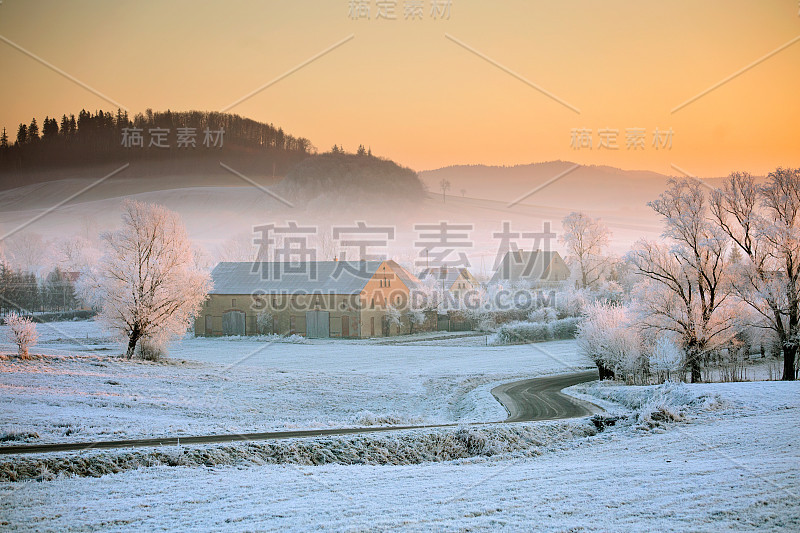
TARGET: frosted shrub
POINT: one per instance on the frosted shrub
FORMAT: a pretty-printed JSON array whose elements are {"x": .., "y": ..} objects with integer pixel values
[
  {"x": 264, "y": 322},
  {"x": 394, "y": 316},
  {"x": 416, "y": 319},
  {"x": 22, "y": 332},
  {"x": 544, "y": 314},
  {"x": 610, "y": 292},
  {"x": 572, "y": 302},
  {"x": 566, "y": 328},
  {"x": 151, "y": 350},
  {"x": 666, "y": 359},
  {"x": 524, "y": 332}
]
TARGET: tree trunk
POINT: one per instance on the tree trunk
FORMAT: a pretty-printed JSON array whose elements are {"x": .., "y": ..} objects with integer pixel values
[
  {"x": 132, "y": 340},
  {"x": 695, "y": 369},
  {"x": 605, "y": 373},
  {"x": 693, "y": 360},
  {"x": 789, "y": 356}
]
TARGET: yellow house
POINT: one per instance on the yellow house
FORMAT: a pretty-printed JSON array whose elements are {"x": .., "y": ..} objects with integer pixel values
[{"x": 315, "y": 299}]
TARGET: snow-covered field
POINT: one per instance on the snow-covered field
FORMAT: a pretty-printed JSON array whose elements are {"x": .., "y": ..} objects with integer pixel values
[
  {"x": 81, "y": 390},
  {"x": 731, "y": 464},
  {"x": 704, "y": 457}
]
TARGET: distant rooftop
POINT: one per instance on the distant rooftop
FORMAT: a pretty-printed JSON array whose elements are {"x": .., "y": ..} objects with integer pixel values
[
  {"x": 525, "y": 265},
  {"x": 327, "y": 277}
]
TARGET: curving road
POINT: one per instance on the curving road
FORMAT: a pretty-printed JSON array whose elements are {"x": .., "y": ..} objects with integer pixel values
[
  {"x": 542, "y": 399},
  {"x": 526, "y": 400}
]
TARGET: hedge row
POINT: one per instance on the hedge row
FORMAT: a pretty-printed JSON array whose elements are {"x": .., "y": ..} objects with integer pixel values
[{"x": 525, "y": 332}]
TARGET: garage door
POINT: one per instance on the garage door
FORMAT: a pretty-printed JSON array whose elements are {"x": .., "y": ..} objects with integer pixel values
[
  {"x": 233, "y": 323},
  {"x": 318, "y": 324}
]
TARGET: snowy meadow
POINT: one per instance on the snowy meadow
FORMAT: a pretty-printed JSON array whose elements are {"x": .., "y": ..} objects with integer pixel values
[{"x": 81, "y": 389}]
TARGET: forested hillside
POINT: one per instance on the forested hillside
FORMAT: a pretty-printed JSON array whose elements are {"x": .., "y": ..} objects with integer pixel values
[{"x": 173, "y": 139}]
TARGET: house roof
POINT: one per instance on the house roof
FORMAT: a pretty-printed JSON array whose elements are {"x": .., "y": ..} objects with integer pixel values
[
  {"x": 409, "y": 279},
  {"x": 326, "y": 277},
  {"x": 448, "y": 275},
  {"x": 528, "y": 266}
]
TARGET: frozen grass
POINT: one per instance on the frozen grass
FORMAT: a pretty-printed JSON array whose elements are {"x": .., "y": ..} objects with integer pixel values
[
  {"x": 80, "y": 392},
  {"x": 654, "y": 404},
  {"x": 400, "y": 448},
  {"x": 729, "y": 468},
  {"x": 648, "y": 407}
]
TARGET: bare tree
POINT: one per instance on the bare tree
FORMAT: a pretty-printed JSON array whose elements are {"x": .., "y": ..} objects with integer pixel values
[
  {"x": 763, "y": 223},
  {"x": 147, "y": 283},
  {"x": 688, "y": 284},
  {"x": 76, "y": 253},
  {"x": 586, "y": 239},
  {"x": 444, "y": 185},
  {"x": 237, "y": 248},
  {"x": 27, "y": 251}
]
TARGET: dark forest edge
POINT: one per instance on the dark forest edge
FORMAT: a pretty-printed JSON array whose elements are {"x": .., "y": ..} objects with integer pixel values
[{"x": 104, "y": 137}]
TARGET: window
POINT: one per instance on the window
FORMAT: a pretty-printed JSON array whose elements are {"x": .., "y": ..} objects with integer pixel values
[{"x": 233, "y": 302}]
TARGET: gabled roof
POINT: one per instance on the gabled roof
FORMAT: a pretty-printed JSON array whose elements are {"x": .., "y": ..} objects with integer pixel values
[
  {"x": 448, "y": 275},
  {"x": 409, "y": 279},
  {"x": 527, "y": 266},
  {"x": 325, "y": 277}
]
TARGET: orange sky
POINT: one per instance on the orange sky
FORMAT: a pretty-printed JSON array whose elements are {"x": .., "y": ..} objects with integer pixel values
[{"x": 402, "y": 87}]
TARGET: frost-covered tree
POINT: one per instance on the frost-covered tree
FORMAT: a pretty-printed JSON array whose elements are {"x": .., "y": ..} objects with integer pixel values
[
  {"x": 607, "y": 337},
  {"x": 147, "y": 284},
  {"x": 763, "y": 221},
  {"x": 415, "y": 317},
  {"x": 666, "y": 358},
  {"x": 586, "y": 239},
  {"x": 22, "y": 332},
  {"x": 572, "y": 302},
  {"x": 394, "y": 315},
  {"x": 428, "y": 295},
  {"x": 76, "y": 253},
  {"x": 686, "y": 281}
]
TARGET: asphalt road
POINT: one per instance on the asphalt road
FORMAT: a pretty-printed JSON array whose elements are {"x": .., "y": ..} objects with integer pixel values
[
  {"x": 525, "y": 400},
  {"x": 542, "y": 399}
]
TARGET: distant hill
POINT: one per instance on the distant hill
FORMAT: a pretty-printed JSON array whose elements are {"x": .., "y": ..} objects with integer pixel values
[
  {"x": 154, "y": 143},
  {"x": 350, "y": 178},
  {"x": 588, "y": 188}
]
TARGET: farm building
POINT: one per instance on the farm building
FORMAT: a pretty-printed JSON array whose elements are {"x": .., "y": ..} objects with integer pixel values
[
  {"x": 455, "y": 280},
  {"x": 316, "y": 299},
  {"x": 539, "y": 268}
]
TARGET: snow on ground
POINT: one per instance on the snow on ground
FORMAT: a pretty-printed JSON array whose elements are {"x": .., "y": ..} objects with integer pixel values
[
  {"x": 730, "y": 465},
  {"x": 81, "y": 390}
]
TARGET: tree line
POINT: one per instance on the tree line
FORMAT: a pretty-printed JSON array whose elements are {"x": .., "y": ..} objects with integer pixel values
[
  {"x": 725, "y": 280},
  {"x": 24, "y": 293},
  {"x": 98, "y": 137}
]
